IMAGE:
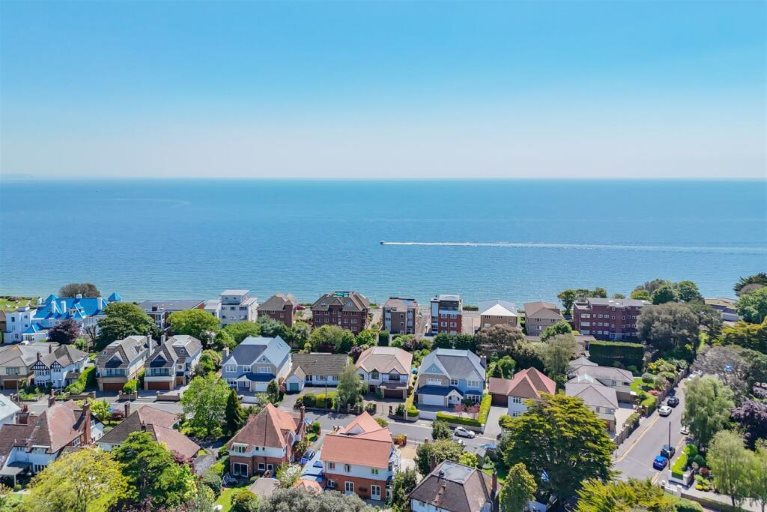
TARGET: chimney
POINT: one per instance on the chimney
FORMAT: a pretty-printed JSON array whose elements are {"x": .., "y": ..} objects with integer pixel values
[
  {"x": 38, "y": 355},
  {"x": 162, "y": 339},
  {"x": 79, "y": 296},
  {"x": 22, "y": 418},
  {"x": 127, "y": 408},
  {"x": 50, "y": 349},
  {"x": 302, "y": 413},
  {"x": 226, "y": 353},
  {"x": 52, "y": 398},
  {"x": 149, "y": 343},
  {"x": 483, "y": 361},
  {"x": 87, "y": 437},
  {"x": 494, "y": 488}
]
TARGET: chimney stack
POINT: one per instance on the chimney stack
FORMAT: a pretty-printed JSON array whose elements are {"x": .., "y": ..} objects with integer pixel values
[
  {"x": 22, "y": 418},
  {"x": 87, "y": 437},
  {"x": 149, "y": 343},
  {"x": 50, "y": 348},
  {"x": 52, "y": 398},
  {"x": 127, "y": 408},
  {"x": 162, "y": 339},
  {"x": 226, "y": 354},
  {"x": 302, "y": 413},
  {"x": 494, "y": 489}
]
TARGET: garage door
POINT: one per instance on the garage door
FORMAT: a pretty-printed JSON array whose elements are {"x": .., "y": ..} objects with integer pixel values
[
  {"x": 160, "y": 385},
  {"x": 431, "y": 400},
  {"x": 293, "y": 387}
]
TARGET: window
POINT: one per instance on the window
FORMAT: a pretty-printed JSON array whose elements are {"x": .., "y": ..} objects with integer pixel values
[
  {"x": 12, "y": 370},
  {"x": 374, "y": 375},
  {"x": 374, "y": 471},
  {"x": 475, "y": 384},
  {"x": 238, "y": 468},
  {"x": 347, "y": 468},
  {"x": 375, "y": 492},
  {"x": 264, "y": 369},
  {"x": 331, "y": 465},
  {"x": 331, "y": 484},
  {"x": 239, "y": 448},
  {"x": 231, "y": 368},
  {"x": 516, "y": 400},
  {"x": 349, "y": 487},
  {"x": 270, "y": 467},
  {"x": 260, "y": 466},
  {"x": 453, "y": 382}
]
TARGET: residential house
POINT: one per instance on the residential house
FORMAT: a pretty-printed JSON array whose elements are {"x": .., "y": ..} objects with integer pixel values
[
  {"x": 18, "y": 322},
  {"x": 238, "y": 306},
  {"x": 539, "y": 315},
  {"x": 213, "y": 306},
  {"x": 527, "y": 384},
  {"x": 608, "y": 319},
  {"x": 385, "y": 370},
  {"x": 348, "y": 310},
  {"x": 400, "y": 316},
  {"x": 360, "y": 459},
  {"x": 121, "y": 361},
  {"x": 315, "y": 369},
  {"x": 158, "y": 423},
  {"x": 172, "y": 363},
  {"x": 446, "y": 314},
  {"x": 255, "y": 362},
  {"x": 86, "y": 311},
  {"x": 447, "y": 377},
  {"x": 160, "y": 310},
  {"x": 59, "y": 367},
  {"x": 600, "y": 399},
  {"x": 281, "y": 307},
  {"x": 498, "y": 313},
  {"x": 453, "y": 487},
  {"x": 16, "y": 363},
  {"x": 615, "y": 378},
  {"x": 727, "y": 308},
  {"x": 265, "y": 442},
  {"x": 8, "y": 410},
  {"x": 35, "y": 441}
]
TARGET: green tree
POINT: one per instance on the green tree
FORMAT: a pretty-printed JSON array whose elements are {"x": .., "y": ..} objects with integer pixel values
[
  {"x": 707, "y": 407},
  {"x": 557, "y": 354},
  {"x": 241, "y": 330},
  {"x": 331, "y": 338},
  {"x": 367, "y": 338},
  {"x": 194, "y": 322},
  {"x": 350, "y": 387},
  {"x": 123, "y": 319},
  {"x": 631, "y": 496},
  {"x": 561, "y": 327},
  {"x": 752, "y": 307},
  {"x": 155, "y": 479},
  {"x": 234, "y": 415},
  {"x": 669, "y": 327},
  {"x": 298, "y": 334},
  {"x": 290, "y": 500},
  {"x": 273, "y": 392},
  {"x": 503, "y": 368},
  {"x": 744, "y": 334},
  {"x": 100, "y": 409},
  {"x": 730, "y": 462},
  {"x": 440, "y": 430},
  {"x": 758, "y": 476},
  {"x": 223, "y": 340},
  {"x": 204, "y": 404},
  {"x": 640, "y": 294},
  {"x": 518, "y": 489},
  {"x": 87, "y": 479},
  {"x": 665, "y": 293},
  {"x": 688, "y": 291},
  {"x": 562, "y": 437},
  {"x": 75, "y": 289},
  {"x": 497, "y": 341},
  {"x": 210, "y": 361},
  {"x": 244, "y": 501},
  {"x": 428, "y": 455},
  {"x": 569, "y": 297},
  {"x": 272, "y": 328},
  {"x": 404, "y": 483},
  {"x": 750, "y": 283},
  {"x": 469, "y": 459}
]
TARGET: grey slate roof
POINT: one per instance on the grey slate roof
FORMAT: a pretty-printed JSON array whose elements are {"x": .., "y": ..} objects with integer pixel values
[
  {"x": 170, "y": 305},
  {"x": 120, "y": 353},
  {"x": 349, "y": 301},
  {"x": 277, "y": 302},
  {"x": 320, "y": 363},
  {"x": 457, "y": 364},
  {"x": 455, "y": 488}
]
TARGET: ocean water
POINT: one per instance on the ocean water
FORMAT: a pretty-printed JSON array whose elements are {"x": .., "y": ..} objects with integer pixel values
[{"x": 511, "y": 240}]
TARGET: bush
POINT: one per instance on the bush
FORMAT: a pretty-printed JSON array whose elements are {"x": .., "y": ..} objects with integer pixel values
[
  {"x": 680, "y": 465},
  {"x": 382, "y": 422},
  {"x": 685, "y": 505},
  {"x": 484, "y": 408},
  {"x": 131, "y": 386},
  {"x": 615, "y": 353},
  {"x": 212, "y": 480},
  {"x": 314, "y": 428},
  {"x": 371, "y": 408},
  {"x": 307, "y": 400},
  {"x": 648, "y": 378},
  {"x": 401, "y": 411},
  {"x": 383, "y": 338},
  {"x": 86, "y": 380},
  {"x": 412, "y": 412},
  {"x": 458, "y": 420}
]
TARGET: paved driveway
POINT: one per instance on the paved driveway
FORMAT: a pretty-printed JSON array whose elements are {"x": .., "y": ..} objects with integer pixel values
[{"x": 492, "y": 428}]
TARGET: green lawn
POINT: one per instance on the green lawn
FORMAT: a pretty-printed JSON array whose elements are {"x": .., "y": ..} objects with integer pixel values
[
  {"x": 225, "y": 499},
  {"x": 6, "y": 304}
]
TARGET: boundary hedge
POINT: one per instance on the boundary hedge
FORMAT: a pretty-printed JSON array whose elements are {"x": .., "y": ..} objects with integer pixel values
[{"x": 608, "y": 353}]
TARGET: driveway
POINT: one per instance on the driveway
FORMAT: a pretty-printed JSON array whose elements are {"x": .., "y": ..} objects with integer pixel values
[{"x": 492, "y": 427}]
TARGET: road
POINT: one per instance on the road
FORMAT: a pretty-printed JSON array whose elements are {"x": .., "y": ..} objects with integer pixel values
[{"x": 635, "y": 456}]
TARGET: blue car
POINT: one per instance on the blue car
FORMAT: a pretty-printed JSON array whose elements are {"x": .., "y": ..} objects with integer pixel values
[
  {"x": 659, "y": 462},
  {"x": 307, "y": 457}
]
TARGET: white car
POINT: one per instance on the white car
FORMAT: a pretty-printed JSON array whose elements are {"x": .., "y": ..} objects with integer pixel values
[
  {"x": 664, "y": 410},
  {"x": 462, "y": 432},
  {"x": 684, "y": 430}
]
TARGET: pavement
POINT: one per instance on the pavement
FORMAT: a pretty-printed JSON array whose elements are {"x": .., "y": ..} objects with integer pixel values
[{"x": 633, "y": 459}]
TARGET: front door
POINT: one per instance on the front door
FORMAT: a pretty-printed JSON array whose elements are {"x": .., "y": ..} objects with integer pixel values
[{"x": 375, "y": 492}]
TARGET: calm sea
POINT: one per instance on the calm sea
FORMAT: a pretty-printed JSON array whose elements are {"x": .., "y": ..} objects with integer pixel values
[{"x": 513, "y": 240}]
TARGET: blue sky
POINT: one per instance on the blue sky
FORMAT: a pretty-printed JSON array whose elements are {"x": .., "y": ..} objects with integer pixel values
[{"x": 575, "y": 89}]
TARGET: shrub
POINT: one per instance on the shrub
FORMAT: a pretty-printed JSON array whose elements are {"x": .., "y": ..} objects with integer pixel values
[
  {"x": 86, "y": 379},
  {"x": 308, "y": 400},
  {"x": 382, "y": 422},
  {"x": 212, "y": 480},
  {"x": 371, "y": 408},
  {"x": 615, "y": 353},
  {"x": 648, "y": 378},
  {"x": 131, "y": 386},
  {"x": 458, "y": 420},
  {"x": 383, "y": 338},
  {"x": 484, "y": 408},
  {"x": 685, "y": 505},
  {"x": 680, "y": 465},
  {"x": 413, "y": 412},
  {"x": 314, "y": 428},
  {"x": 401, "y": 411}
]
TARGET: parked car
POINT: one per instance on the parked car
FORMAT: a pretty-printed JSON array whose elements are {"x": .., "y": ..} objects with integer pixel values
[
  {"x": 308, "y": 454},
  {"x": 660, "y": 462},
  {"x": 462, "y": 432},
  {"x": 684, "y": 430},
  {"x": 664, "y": 410},
  {"x": 667, "y": 451},
  {"x": 672, "y": 401}
]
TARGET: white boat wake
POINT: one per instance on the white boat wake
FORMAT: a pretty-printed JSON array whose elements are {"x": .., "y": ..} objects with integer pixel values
[{"x": 592, "y": 247}]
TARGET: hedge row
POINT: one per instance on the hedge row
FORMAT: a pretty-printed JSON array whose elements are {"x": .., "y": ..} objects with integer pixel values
[
  {"x": 608, "y": 353},
  {"x": 460, "y": 420},
  {"x": 86, "y": 379}
]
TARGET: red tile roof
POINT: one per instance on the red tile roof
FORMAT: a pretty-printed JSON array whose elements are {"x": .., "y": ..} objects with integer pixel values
[
  {"x": 363, "y": 442},
  {"x": 270, "y": 427},
  {"x": 528, "y": 383}
]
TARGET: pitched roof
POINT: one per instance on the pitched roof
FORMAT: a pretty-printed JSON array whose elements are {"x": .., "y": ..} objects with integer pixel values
[
  {"x": 385, "y": 360},
  {"x": 185, "y": 346},
  {"x": 398, "y": 304},
  {"x": 579, "y": 362},
  {"x": 320, "y": 363},
  {"x": 24, "y": 355},
  {"x": 349, "y": 301},
  {"x": 542, "y": 309},
  {"x": 55, "y": 428},
  {"x": 604, "y": 372},
  {"x": 269, "y": 427},
  {"x": 277, "y": 302},
  {"x": 65, "y": 355},
  {"x": 457, "y": 364},
  {"x": 253, "y": 347},
  {"x": 363, "y": 442},
  {"x": 120, "y": 353},
  {"x": 455, "y": 488},
  {"x": 498, "y": 310},
  {"x": 528, "y": 383},
  {"x": 592, "y": 394},
  {"x": 78, "y": 308},
  {"x": 159, "y": 424},
  {"x": 7, "y": 408}
]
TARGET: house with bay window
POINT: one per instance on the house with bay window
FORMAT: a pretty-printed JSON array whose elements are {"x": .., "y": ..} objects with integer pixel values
[
  {"x": 265, "y": 442},
  {"x": 448, "y": 377},
  {"x": 385, "y": 369},
  {"x": 171, "y": 364},
  {"x": 58, "y": 367},
  {"x": 255, "y": 362},
  {"x": 122, "y": 361}
]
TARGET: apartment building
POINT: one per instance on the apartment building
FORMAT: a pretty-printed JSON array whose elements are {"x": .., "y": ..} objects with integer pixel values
[
  {"x": 446, "y": 314},
  {"x": 400, "y": 315},
  {"x": 348, "y": 310},
  {"x": 238, "y": 306},
  {"x": 608, "y": 319}
]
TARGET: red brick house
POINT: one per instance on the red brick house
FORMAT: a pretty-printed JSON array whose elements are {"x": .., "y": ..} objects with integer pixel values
[
  {"x": 265, "y": 442},
  {"x": 281, "y": 307},
  {"x": 348, "y": 310},
  {"x": 608, "y": 319}
]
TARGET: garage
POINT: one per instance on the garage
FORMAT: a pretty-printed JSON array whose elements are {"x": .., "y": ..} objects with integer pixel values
[
  {"x": 293, "y": 387},
  {"x": 159, "y": 385},
  {"x": 112, "y": 386},
  {"x": 431, "y": 400}
]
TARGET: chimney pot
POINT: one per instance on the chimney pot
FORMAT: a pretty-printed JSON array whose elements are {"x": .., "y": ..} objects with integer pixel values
[
  {"x": 87, "y": 437},
  {"x": 50, "y": 348},
  {"x": 162, "y": 339},
  {"x": 127, "y": 409}
]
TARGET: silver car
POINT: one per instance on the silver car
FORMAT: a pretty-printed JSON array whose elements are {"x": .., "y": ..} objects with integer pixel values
[{"x": 462, "y": 432}]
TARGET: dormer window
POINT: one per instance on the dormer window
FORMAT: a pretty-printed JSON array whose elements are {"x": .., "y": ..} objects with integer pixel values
[{"x": 239, "y": 448}]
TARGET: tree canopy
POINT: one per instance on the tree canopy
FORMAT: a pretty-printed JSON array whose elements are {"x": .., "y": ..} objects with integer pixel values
[
  {"x": 707, "y": 407},
  {"x": 752, "y": 417},
  {"x": 429, "y": 455},
  {"x": 194, "y": 322},
  {"x": 241, "y": 330},
  {"x": 669, "y": 327},
  {"x": 331, "y": 338},
  {"x": 518, "y": 489},
  {"x": 64, "y": 332},
  {"x": 497, "y": 341},
  {"x": 86, "y": 479},
  {"x": 234, "y": 415},
  {"x": 557, "y": 354},
  {"x": 750, "y": 283},
  {"x": 729, "y": 462},
  {"x": 561, "y": 327},
  {"x": 752, "y": 306},
  {"x": 634, "y": 495},
  {"x": 75, "y": 289},
  {"x": 123, "y": 319},
  {"x": 292, "y": 500},
  {"x": 204, "y": 403},
  {"x": 350, "y": 387},
  {"x": 564, "y": 439}
]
